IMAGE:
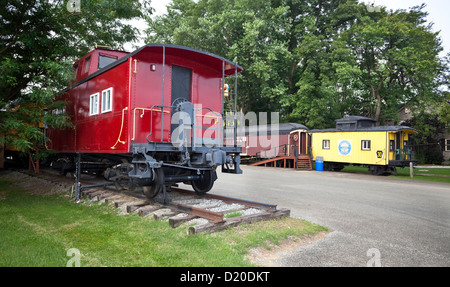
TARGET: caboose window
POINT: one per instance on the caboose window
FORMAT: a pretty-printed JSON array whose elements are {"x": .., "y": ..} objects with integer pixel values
[
  {"x": 107, "y": 100},
  {"x": 75, "y": 71},
  {"x": 326, "y": 144},
  {"x": 93, "y": 104},
  {"x": 365, "y": 145},
  {"x": 86, "y": 64},
  {"x": 104, "y": 60},
  {"x": 392, "y": 145}
]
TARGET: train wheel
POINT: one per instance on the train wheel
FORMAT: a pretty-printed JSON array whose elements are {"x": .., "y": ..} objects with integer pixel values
[
  {"x": 327, "y": 166},
  {"x": 380, "y": 170},
  {"x": 151, "y": 191},
  {"x": 205, "y": 183},
  {"x": 157, "y": 186}
]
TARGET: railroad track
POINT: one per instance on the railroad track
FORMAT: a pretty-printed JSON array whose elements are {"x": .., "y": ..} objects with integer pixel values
[
  {"x": 207, "y": 213},
  {"x": 187, "y": 207}
]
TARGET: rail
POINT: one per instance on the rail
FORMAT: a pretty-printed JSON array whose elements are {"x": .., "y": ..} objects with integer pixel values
[{"x": 186, "y": 206}]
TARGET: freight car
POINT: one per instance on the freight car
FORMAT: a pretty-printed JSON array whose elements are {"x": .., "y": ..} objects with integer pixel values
[
  {"x": 268, "y": 141},
  {"x": 153, "y": 116},
  {"x": 357, "y": 140}
]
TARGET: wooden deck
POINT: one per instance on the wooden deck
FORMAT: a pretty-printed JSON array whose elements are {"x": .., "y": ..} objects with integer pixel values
[{"x": 303, "y": 162}]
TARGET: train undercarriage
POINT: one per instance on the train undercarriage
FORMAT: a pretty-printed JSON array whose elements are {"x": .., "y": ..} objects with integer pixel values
[
  {"x": 154, "y": 171},
  {"x": 381, "y": 170}
]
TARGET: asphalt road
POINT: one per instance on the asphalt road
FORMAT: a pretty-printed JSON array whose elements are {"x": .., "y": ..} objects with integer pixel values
[{"x": 375, "y": 220}]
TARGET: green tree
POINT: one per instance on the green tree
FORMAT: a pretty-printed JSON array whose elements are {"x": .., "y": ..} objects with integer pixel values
[
  {"x": 249, "y": 32},
  {"x": 39, "y": 42},
  {"x": 313, "y": 97},
  {"x": 394, "y": 62},
  {"x": 427, "y": 141},
  {"x": 282, "y": 45},
  {"x": 315, "y": 60},
  {"x": 444, "y": 111}
]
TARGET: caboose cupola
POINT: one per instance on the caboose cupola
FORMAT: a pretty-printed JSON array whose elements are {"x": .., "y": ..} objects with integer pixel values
[
  {"x": 95, "y": 60},
  {"x": 352, "y": 123}
]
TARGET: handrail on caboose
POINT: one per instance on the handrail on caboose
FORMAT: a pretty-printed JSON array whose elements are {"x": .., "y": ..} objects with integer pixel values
[
  {"x": 121, "y": 129},
  {"x": 217, "y": 121},
  {"x": 162, "y": 106},
  {"x": 151, "y": 121},
  {"x": 217, "y": 117},
  {"x": 142, "y": 115},
  {"x": 235, "y": 97}
]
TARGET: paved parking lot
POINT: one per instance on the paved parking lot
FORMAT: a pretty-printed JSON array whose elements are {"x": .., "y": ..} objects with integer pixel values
[{"x": 376, "y": 220}]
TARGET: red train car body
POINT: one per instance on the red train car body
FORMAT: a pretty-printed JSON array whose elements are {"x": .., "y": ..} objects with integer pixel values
[
  {"x": 124, "y": 104},
  {"x": 285, "y": 139}
]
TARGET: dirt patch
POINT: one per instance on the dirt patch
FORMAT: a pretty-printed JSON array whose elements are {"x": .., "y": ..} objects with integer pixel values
[
  {"x": 264, "y": 257},
  {"x": 34, "y": 185}
]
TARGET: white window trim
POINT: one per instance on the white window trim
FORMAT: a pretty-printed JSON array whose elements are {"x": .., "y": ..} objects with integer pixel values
[
  {"x": 110, "y": 100},
  {"x": 447, "y": 144},
  {"x": 364, "y": 144},
  {"x": 94, "y": 110},
  {"x": 324, "y": 146}
]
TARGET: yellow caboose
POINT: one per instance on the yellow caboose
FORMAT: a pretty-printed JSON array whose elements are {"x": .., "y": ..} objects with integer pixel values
[{"x": 358, "y": 141}]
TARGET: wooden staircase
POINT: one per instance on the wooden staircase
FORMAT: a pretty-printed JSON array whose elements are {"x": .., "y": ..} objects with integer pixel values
[{"x": 304, "y": 162}]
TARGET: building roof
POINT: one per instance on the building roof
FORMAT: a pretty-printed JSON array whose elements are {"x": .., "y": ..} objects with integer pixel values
[
  {"x": 372, "y": 129},
  {"x": 360, "y": 124},
  {"x": 213, "y": 60},
  {"x": 280, "y": 129}
]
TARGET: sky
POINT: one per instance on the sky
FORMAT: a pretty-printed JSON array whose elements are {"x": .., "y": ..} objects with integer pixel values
[{"x": 438, "y": 14}]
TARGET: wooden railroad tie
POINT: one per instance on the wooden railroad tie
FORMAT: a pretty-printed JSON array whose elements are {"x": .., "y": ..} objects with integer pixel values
[
  {"x": 216, "y": 221},
  {"x": 235, "y": 221}
]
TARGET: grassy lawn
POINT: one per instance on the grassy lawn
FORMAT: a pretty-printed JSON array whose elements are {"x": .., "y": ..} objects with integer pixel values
[
  {"x": 442, "y": 174},
  {"x": 39, "y": 229}
]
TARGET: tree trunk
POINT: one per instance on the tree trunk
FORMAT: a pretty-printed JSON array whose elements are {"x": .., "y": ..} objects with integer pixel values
[
  {"x": 378, "y": 107},
  {"x": 2, "y": 157},
  {"x": 376, "y": 95}
]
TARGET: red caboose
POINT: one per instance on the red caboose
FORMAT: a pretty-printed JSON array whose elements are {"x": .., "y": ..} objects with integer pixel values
[{"x": 159, "y": 108}]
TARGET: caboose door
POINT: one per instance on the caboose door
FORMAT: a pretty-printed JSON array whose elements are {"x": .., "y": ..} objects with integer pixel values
[
  {"x": 181, "y": 87},
  {"x": 294, "y": 141},
  {"x": 303, "y": 143}
]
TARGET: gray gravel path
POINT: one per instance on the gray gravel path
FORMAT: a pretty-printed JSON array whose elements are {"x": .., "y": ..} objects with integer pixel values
[{"x": 375, "y": 220}]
